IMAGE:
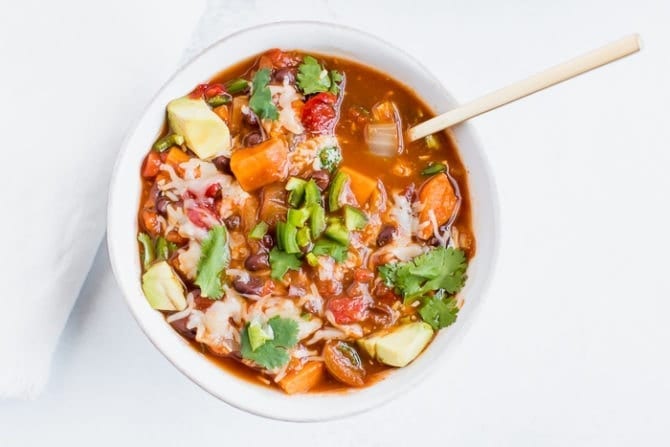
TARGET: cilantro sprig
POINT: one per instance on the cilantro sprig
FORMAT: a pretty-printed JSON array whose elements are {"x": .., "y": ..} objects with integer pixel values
[
  {"x": 214, "y": 258},
  {"x": 274, "y": 352},
  {"x": 261, "y": 98},
  {"x": 440, "y": 268},
  {"x": 438, "y": 310},
  {"x": 281, "y": 262},
  {"x": 313, "y": 78}
]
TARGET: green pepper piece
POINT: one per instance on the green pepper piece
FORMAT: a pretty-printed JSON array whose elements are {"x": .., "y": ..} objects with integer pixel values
[
  {"x": 338, "y": 233},
  {"x": 354, "y": 219},
  {"x": 296, "y": 186},
  {"x": 259, "y": 230},
  {"x": 304, "y": 237},
  {"x": 312, "y": 259},
  {"x": 219, "y": 100},
  {"x": 317, "y": 220},
  {"x": 236, "y": 86},
  {"x": 312, "y": 193},
  {"x": 433, "y": 168},
  {"x": 297, "y": 217},
  {"x": 148, "y": 255},
  {"x": 335, "y": 190},
  {"x": 286, "y": 237},
  {"x": 167, "y": 142}
]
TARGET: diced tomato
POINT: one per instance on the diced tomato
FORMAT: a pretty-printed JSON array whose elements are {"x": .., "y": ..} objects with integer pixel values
[
  {"x": 207, "y": 90},
  {"x": 281, "y": 59},
  {"x": 319, "y": 114},
  {"x": 202, "y": 217},
  {"x": 363, "y": 275},
  {"x": 347, "y": 310},
  {"x": 213, "y": 190},
  {"x": 152, "y": 165}
]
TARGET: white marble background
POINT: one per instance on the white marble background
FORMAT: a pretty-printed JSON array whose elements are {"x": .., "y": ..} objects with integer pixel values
[{"x": 571, "y": 347}]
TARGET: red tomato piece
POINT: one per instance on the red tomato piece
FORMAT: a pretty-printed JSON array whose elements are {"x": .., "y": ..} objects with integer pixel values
[
  {"x": 281, "y": 59},
  {"x": 319, "y": 114},
  {"x": 152, "y": 165},
  {"x": 213, "y": 190},
  {"x": 202, "y": 217},
  {"x": 207, "y": 90},
  {"x": 347, "y": 310}
]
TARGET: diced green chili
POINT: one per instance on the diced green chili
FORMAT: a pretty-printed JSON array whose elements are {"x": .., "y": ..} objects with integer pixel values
[
  {"x": 338, "y": 232},
  {"x": 236, "y": 86},
  {"x": 167, "y": 142},
  {"x": 304, "y": 237},
  {"x": 354, "y": 219},
  {"x": 312, "y": 259},
  {"x": 297, "y": 217},
  {"x": 335, "y": 190},
  {"x": 219, "y": 100},
  {"x": 317, "y": 220},
  {"x": 147, "y": 249},
  {"x": 259, "y": 230},
  {"x": 312, "y": 193},
  {"x": 432, "y": 142},
  {"x": 296, "y": 186},
  {"x": 433, "y": 168},
  {"x": 286, "y": 237}
]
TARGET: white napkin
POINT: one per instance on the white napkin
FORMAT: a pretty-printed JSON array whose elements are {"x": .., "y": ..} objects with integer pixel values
[{"x": 74, "y": 76}]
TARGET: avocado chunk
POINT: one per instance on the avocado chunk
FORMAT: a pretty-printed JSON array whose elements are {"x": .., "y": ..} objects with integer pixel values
[
  {"x": 369, "y": 344},
  {"x": 163, "y": 288},
  {"x": 204, "y": 132},
  {"x": 399, "y": 346}
]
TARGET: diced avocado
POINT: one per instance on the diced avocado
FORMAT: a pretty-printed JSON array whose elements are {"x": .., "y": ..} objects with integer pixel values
[
  {"x": 400, "y": 346},
  {"x": 163, "y": 288},
  {"x": 369, "y": 344},
  {"x": 257, "y": 335},
  {"x": 204, "y": 132}
]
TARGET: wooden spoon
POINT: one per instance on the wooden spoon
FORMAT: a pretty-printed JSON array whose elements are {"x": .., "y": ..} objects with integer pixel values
[{"x": 552, "y": 76}]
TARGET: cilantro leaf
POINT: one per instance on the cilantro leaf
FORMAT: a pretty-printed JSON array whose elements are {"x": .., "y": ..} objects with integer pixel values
[
  {"x": 261, "y": 98},
  {"x": 273, "y": 353},
  {"x": 440, "y": 268},
  {"x": 312, "y": 78},
  {"x": 438, "y": 311},
  {"x": 331, "y": 248},
  {"x": 281, "y": 262},
  {"x": 335, "y": 78},
  {"x": 213, "y": 259}
]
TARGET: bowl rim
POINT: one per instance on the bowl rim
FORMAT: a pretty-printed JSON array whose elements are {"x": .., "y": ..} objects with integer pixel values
[{"x": 460, "y": 331}]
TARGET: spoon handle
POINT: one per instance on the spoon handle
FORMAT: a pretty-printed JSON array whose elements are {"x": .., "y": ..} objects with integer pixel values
[{"x": 551, "y": 76}]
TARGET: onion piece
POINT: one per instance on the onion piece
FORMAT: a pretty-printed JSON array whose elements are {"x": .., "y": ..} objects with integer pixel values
[{"x": 384, "y": 137}]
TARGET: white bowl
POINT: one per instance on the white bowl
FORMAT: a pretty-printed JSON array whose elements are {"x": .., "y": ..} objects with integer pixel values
[{"x": 124, "y": 202}]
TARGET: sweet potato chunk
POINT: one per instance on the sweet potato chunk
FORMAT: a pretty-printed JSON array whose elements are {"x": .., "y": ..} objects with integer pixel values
[{"x": 260, "y": 165}]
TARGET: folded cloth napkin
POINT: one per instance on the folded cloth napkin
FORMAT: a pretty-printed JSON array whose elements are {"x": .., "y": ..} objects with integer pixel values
[{"x": 74, "y": 76}]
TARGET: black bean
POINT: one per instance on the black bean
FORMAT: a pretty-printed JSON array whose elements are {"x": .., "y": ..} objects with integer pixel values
[
  {"x": 258, "y": 261},
  {"x": 283, "y": 73},
  {"x": 249, "y": 118},
  {"x": 180, "y": 326},
  {"x": 222, "y": 163},
  {"x": 268, "y": 241},
  {"x": 251, "y": 287},
  {"x": 252, "y": 139},
  {"x": 321, "y": 178},
  {"x": 161, "y": 205},
  {"x": 386, "y": 235},
  {"x": 233, "y": 222}
]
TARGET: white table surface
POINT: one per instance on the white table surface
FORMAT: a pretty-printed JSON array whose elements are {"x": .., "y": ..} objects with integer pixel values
[{"x": 572, "y": 345}]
